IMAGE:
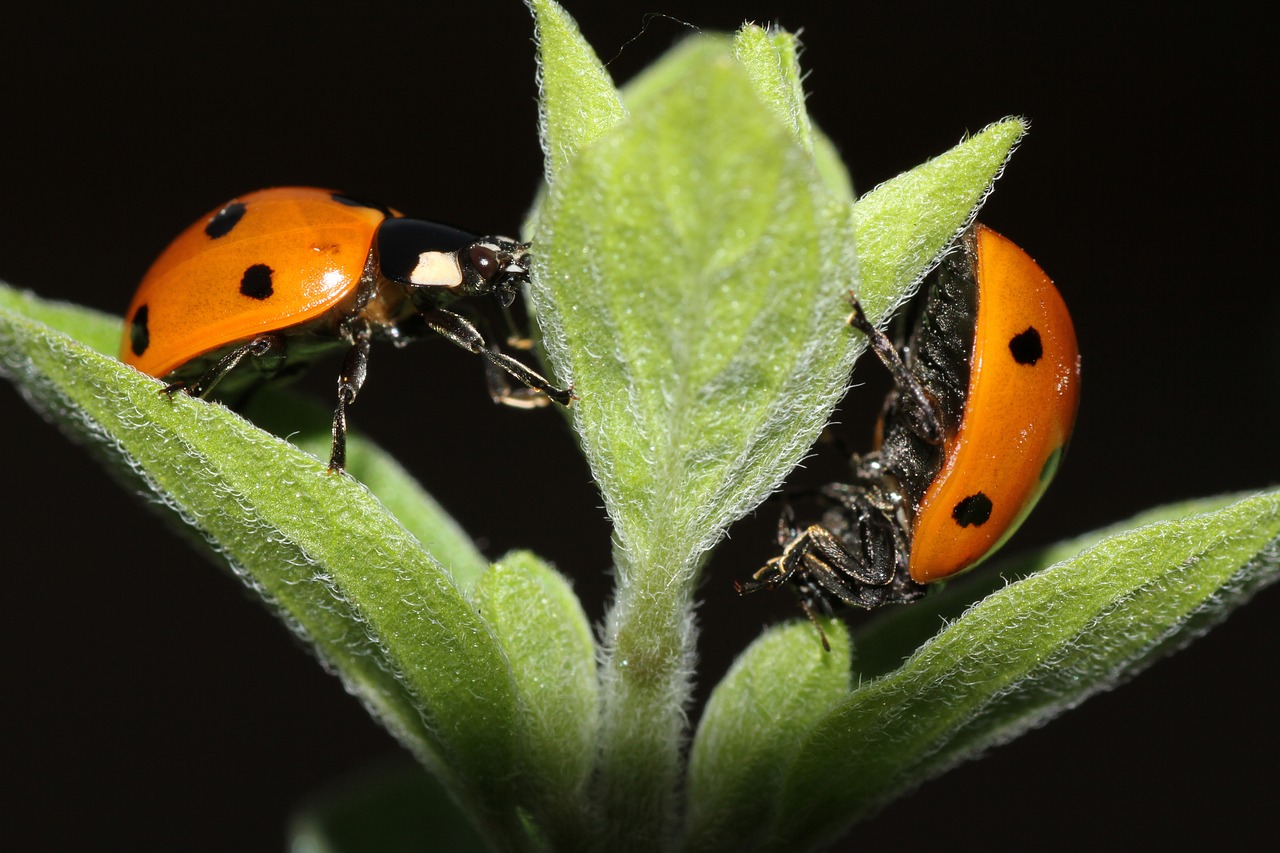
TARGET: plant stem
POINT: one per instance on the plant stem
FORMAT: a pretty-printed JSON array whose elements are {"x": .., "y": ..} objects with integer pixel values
[{"x": 647, "y": 686}]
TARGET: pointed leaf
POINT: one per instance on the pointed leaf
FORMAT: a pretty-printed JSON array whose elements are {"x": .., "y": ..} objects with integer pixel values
[
  {"x": 694, "y": 330},
  {"x": 536, "y": 617},
  {"x": 904, "y": 225},
  {"x": 752, "y": 726},
  {"x": 691, "y": 269},
  {"x": 578, "y": 100}
]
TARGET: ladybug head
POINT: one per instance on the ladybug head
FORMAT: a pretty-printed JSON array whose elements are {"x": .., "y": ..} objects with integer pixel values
[
  {"x": 495, "y": 265},
  {"x": 438, "y": 262}
]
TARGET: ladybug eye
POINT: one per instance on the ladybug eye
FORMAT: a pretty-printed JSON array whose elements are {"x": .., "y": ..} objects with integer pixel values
[{"x": 485, "y": 261}]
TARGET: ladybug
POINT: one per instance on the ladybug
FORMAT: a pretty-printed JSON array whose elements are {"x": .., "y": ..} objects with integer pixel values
[
  {"x": 258, "y": 287},
  {"x": 986, "y": 386}
]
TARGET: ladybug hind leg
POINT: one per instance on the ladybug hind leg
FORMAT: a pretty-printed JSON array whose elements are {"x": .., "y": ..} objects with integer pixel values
[
  {"x": 267, "y": 350},
  {"x": 866, "y": 564},
  {"x": 823, "y": 568}
]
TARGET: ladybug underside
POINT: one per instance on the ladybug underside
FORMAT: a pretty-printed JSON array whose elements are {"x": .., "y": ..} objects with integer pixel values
[{"x": 298, "y": 348}]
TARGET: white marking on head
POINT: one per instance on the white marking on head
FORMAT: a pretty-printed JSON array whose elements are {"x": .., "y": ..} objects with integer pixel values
[{"x": 437, "y": 269}]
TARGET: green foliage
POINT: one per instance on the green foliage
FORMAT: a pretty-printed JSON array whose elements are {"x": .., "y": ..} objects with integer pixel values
[{"x": 695, "y": 244}]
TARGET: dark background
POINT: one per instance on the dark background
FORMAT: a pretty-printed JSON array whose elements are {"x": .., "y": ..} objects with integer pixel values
[{"x": 139, "y": 718}]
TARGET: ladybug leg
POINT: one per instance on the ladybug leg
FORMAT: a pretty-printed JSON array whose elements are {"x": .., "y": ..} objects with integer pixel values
[
  {"x": 263, "y": 346},
  {"x": 787, "y": 530},
  {"x": 849, "y": 590},
  {"x": 516, "y": 338},
  {"x": 502, "y": 390},
  {"x": 465, "y": 335},
  {"x": 808, "y": 600},
  {"x": 355, "y": 367},
  {"x": 927, "y": 415},
  {"x": 827, "y": 558},
  {"x": 816, "y": 575},
  {"x": 782, "y": 568},
  {"x": 871, "y": 568},
  {"x": 822, "y": 563}
]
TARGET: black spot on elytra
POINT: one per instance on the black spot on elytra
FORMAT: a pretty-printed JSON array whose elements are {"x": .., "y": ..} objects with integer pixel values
[
  {"x": 221, "y": 223},
  {"x": 139, "y": 334},
  {"x": 256, "y": 283},
  {"x": 1026, "y": 346},
  {"x": 354, "y": 202},
  {"x": 975, "y": 510}
]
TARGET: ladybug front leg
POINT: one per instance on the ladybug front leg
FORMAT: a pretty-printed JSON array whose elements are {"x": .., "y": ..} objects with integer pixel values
[
  {"x": 927, "y": 415},
  {"x": 355, "y": 367},
  {"x": 872, "y": 567},
  {"x": 781, "y": 569},
  {"x": 465, "y": 335},
  {"x": 516, "y": 338}
]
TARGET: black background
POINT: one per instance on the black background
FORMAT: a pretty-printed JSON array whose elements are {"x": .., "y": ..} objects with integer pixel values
[{"x": 152, "y": 702}]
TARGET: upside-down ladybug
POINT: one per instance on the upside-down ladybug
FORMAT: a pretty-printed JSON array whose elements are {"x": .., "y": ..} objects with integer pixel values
[
  {"x": 279, "y": 275},
  {"x": 987, "y": 383}
]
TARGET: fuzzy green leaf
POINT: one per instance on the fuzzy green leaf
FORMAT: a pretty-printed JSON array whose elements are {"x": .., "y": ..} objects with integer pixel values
[
  {"x": 693, "y": 330},
  {"x": 538, "y": 620},
  {"x": 772, "y": 59},
  {"x": 579, "y": 102},
  {"x": 690, "y": 276},
  {"x": 307, "y": 423},
  {"x": 1024, "y": 655},
  {"x": 319, "y": 548},
  {"x": 752, "y": 726},
  {"x": 889, "y": 639}
]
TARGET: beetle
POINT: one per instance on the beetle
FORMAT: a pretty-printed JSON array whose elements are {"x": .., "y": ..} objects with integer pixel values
[
  {"x": 258, "y": 287},
  {"x": 986, "y": 389}
]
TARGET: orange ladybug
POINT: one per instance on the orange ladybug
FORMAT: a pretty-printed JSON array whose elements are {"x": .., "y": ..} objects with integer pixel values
[
  {"x": 269, "y": 280},
  {"x": 987, "y": 384}
]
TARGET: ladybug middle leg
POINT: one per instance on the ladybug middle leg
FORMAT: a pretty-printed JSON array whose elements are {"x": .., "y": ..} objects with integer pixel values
[
  {"x": 779, "y": 569},
  {"x": 355, "y": 367},
  {"x": 858, "y": 566}
]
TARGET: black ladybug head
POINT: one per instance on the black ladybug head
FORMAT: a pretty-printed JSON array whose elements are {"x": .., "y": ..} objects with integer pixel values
[{"x": 495, "y": 265}]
